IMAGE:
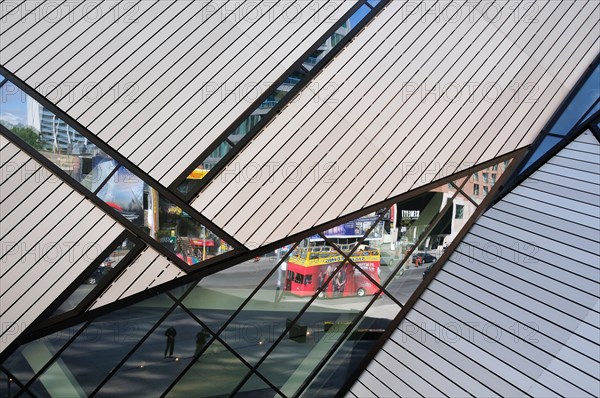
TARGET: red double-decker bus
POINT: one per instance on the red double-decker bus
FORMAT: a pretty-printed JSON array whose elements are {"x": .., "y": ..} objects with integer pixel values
[{"x": 310, "y": 267}]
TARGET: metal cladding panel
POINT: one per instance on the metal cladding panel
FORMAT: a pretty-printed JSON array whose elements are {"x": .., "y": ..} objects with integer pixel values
[
  {"x": 424, "y": 91},
  {"x": 160, "y": 80},
  {"x": 148, "y": 270},
  {"x": 515, "y": 309},
  {"x": 50, "y": 235}
]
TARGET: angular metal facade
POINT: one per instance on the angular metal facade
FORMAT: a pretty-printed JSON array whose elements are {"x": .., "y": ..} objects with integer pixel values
[
  {"x": 281, "y": 269},
  {"x": 515, "y": 309}
]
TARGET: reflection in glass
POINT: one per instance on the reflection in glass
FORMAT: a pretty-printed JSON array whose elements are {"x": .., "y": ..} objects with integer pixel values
[
  {"x": 160, "y": 218},
  {"x": 93, "y": 355},
  {"x": 489, "y": 175},
  {"x": 215, "y": 373},
  {"x": 585, "y": 99},
  {"x": 216, "y": 297},
  {"x": 310, "y": 339},
  {"x": 30, "y": 358},
  {"x": 255, "y": 387},
  {"x": 546, "y": 145},
  {"x": 263, "y": 319},
  {"x": 53, "y": 138},
  {"x": 450, "y": 218},
  {"x": 105, "y": 268},
  {"x": 160, "y": 359},
  {"x": 353, "y": 350},
  {"x": 123, "y": 191},
  {"x": 191, "y": 183}
]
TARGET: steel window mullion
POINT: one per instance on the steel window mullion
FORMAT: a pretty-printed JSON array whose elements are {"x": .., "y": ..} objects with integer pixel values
[
  {"x": 237, "y": 191},
  {"x": 282, "y": 103},
  {"x": 311, "y": 208}
]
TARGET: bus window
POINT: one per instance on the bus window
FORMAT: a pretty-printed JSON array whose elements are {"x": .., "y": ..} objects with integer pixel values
[
  {"x": 308, "y": 280},
  {"x": 299, "y": 278}
]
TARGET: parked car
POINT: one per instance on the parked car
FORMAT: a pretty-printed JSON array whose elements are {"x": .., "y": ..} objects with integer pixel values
[
  {"x": 425, "y": 257},
  {"x": 386, "y": 259},
  {"x": 98, "y": 275},
  {"x": 426, "y": 272}
]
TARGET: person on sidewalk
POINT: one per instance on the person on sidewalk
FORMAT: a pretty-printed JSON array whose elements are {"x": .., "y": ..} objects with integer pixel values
[{"x": 170, "y": 333}]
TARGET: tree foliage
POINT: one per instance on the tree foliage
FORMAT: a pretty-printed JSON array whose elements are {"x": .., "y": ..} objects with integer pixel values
[{"x": 29, "y": 135}]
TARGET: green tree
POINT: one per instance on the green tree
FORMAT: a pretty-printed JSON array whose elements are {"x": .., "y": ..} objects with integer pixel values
[{"x": 29, "y": 135}]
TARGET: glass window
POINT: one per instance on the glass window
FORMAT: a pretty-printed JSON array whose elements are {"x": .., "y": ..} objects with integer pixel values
[
  {"x": 459, "y": 212},
  {"x": 299, "y": 278},
  {"x": 495, "y": 167},
  {"x": 476, "y": 189},
  {"x": 215, "y": 374},
  {"x": 476, "y": 176},
  {"x": 585, "y": 99},
  {"x": 160, "y": 218},
  {"x": 53, "y": 138},
  {"x": 280, "y": 92},
  {"x": 546, "y": 145},
  {"x": 105, "y": 268},
  {"x": 485, "y": 177},
  {"x": 485, "y": 190},
  {"x": 493, "y": 179}
]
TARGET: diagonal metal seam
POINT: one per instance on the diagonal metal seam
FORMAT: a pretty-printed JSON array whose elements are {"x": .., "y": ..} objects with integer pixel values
[
  {"x": 16, "y": 381},
  {"x": 75, "y": 185},
  {"x": 268, "y": 117},
  {"x": 307, "y": 4},
  {"x": 594, "y": 126},
  {"x": 239, "y": 309},
  {"x": 216, "y": 337},
  {"x": 70, "y": 181},
  {"x": 355, "y": 266},
  {"x": 485, "y": 204},
  {"x": 40, "y": 277},
  {"x": 419, "y": 240},
  {"x": 98, "y": 290},
  {"x": 115, "y": 369},
  {"x": 382, "y": 288},
  {"x": 518, "y": 178},
  {"x": 42, "y": 322},
  {"x": 303, "y": 310},
  {"x": 546, "y": 130},
  {"x": 121, "y": 160},
  {"x": 338, "y": 177},
  {"x": 313, "y": 96},
  {"x": 236, "y": 259},
  {"x": 58, "y": 353},
  {"x": 428, "y": 230},
  {"x": 278, "y": 167}
]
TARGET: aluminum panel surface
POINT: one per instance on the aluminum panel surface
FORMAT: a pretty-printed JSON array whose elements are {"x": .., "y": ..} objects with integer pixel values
[
  {"x": 149, "y": 269},
  {"x": 160, "y": 80},
  {"x": 519, "y": 296},
  {"x": 465, "y": 83},
  {"x": 50, "y": 235}
]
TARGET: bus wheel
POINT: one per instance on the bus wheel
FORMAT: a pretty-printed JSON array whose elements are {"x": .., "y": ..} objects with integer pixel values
[
  {"x": 321, "y": 295},
  {"x": 361, "y": 292}
]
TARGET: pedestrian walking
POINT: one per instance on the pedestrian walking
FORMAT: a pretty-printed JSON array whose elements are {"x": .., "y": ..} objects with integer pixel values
[
  {"x": 200, "y": 341},
  {"x": 170, "y": 333}
]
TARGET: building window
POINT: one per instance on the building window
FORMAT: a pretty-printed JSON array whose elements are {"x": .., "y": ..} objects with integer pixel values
[
  {"x": 476, "y": 189},
  {"x": 493, "y": 179},
  {"x": 485, "y": 177},
  {"x": 485, "y": 190},
  {"x": 475, "y": 176},
  {"x": 459, "y": 211},
  {"x": 495, "y": 167}
]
